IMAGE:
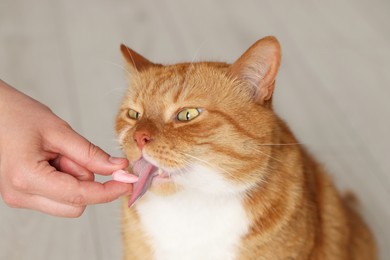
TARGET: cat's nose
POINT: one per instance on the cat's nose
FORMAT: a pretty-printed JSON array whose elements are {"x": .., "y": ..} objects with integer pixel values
[{"x": 142, "y": 138}]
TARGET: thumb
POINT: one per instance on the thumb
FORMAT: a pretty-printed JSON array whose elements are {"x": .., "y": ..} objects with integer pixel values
[{"x": 84, "y": 153}]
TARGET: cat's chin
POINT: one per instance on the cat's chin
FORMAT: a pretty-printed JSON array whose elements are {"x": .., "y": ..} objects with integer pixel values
[
  {"x": 163, "y": 182},
  {"x": 164, "y": 186},
  {"x": 161, "y": 174}
]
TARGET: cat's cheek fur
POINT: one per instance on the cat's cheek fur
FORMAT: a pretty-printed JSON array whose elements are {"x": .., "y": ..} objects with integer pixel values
[{"x": 123, "y": 133}]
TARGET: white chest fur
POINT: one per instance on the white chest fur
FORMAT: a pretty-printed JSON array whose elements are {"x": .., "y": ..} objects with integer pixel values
[{"x": 194, "y": 225}]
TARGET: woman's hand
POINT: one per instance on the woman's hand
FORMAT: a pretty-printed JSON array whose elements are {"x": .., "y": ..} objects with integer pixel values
[{"x": 45, "y": 165}]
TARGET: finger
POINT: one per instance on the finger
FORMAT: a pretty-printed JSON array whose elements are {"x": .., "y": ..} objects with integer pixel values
[
  {"x": 55, "y": 208},
  {"x": 96, "y": 193},
  {"x": 84, "y": 153},
  {"x": 124, "y": 176},
  {"x": 45, "y": 205},
  {"x": 66, "y": 189},
  {"x": 66, "y": 165}
]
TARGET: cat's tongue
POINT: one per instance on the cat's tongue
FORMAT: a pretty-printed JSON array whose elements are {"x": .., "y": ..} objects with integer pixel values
[{"x": 145, "y": 171}]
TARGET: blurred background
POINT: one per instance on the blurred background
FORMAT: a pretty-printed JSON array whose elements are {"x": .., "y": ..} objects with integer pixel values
[{"x": 332, "y": 89}]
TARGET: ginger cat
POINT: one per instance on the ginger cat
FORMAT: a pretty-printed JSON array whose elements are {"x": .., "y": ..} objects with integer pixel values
[{"x": 222, "y": 175}]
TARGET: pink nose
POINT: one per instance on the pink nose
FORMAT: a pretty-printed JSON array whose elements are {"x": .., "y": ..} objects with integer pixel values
[{"x": 142, "y": 138}]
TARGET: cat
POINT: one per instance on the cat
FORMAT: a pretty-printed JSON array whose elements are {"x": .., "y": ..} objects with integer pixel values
[{"x": 221, "y": 176}]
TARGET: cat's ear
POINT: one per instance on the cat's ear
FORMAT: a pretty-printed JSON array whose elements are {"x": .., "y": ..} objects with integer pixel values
[
  {"x": 135, "y": 61},
  {"x": 258, "y": 67}
]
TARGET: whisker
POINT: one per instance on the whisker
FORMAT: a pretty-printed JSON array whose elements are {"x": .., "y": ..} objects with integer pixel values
[
  {"x": 193, "y": 60},
  {"x": 177, "y": 79},
  {"x": 286, "y": 144},
  {"x": 269, "y": 156},
  {"x": 109, "y": 92},
  {"x": 198, "y": 50},
  {"x": 118, "y": 66},
  {"x": 194, "y": 157},
  {"x": 205, "y": 162}
]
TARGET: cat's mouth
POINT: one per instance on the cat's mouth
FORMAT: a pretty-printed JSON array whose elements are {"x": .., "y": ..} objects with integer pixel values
[{"x": 146, "y": 172}]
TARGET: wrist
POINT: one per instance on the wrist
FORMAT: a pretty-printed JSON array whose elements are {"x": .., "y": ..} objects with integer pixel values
[{"x": 6, "y": 94}]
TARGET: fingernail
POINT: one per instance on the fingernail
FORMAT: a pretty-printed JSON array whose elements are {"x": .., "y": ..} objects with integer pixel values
[
  {"x": 116, "y": 160},
  {"x": 124, "y": 176}
]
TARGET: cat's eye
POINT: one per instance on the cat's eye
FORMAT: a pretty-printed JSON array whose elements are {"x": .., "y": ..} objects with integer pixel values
[
  {"x": 188, "y": 114},
  {"x": 132, "y": 114}
]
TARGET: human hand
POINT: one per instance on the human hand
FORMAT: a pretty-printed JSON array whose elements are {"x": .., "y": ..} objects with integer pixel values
[{"x": 45, "y": 165}]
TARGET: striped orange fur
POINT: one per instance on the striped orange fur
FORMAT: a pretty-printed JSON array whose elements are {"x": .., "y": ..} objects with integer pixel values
[{"x": 291, "y": 209}]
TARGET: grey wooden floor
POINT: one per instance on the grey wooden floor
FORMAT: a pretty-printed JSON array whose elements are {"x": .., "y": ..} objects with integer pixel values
[{"x": 333, "y": 89}]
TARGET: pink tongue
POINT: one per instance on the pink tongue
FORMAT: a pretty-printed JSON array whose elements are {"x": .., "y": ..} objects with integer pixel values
[{"x": 144, "y": 170}]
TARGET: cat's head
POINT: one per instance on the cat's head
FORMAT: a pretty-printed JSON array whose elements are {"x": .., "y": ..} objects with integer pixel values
[{"x": 200, "y": 125}]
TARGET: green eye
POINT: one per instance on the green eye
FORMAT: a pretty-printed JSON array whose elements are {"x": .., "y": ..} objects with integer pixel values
[
  {"x": 188, "y": 114},
  {"x": 133, "y": 114}
]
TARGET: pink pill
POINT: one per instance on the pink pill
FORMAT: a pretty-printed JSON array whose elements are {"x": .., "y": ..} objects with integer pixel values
[{"x": 124, "y": 176}]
